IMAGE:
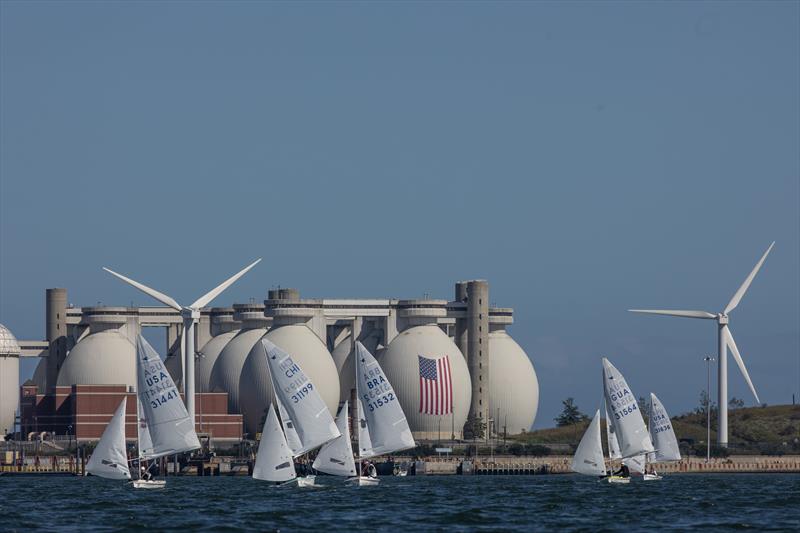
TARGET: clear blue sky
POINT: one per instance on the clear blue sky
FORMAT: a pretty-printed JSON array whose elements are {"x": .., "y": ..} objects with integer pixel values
[{"x": 584, "y": 157}]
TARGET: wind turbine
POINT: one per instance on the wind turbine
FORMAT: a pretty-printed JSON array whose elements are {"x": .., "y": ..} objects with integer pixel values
[
  {"x": 725, "y": 341},
  {"x": 190, "y": 314}
]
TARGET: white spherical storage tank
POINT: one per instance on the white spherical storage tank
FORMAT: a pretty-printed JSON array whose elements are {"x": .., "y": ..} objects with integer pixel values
[
  {"x": 103, "y": 358},
  {"x": 207, "y": 358},
  {"x": 401, "y": 363},
  {"x": 9, "y": 380},
  {"x": 228, "y": 367},
  {"x": 513, "y": 385},
  {"x": 308, "y": 351}
]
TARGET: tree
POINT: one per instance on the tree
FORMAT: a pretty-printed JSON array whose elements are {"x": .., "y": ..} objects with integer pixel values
[
  {"x": 570, "y": 414},
  {"x": 735, "y": 403},
  {"x": 474, "y": 427}
]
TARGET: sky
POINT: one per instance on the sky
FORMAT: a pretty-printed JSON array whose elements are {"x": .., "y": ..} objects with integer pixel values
[{"x": 585, "y": 158}]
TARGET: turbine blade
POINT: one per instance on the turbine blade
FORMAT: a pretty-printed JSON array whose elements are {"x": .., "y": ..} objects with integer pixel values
[
  {"x": 735, "y": 351},
  {"x": 206, "y": 298},
  {"x": 743, "y": 289},
  {"x": 163, "y": 298},
  {"x": 675, "y": 312}
]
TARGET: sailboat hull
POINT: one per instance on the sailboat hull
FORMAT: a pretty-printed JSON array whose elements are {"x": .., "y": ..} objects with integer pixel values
[
  {"x": 619, "y": 479},
  {"x": 363, "y": 481},
  {"x": 652, "y": 477},
  {"x": 149, "y": 483}
]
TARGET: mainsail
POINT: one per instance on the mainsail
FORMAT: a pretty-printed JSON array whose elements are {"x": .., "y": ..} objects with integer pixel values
[
  {"x": 336, "y": 457},
  {"x": 274, "y": 461},
  {"x": 663, "y": 435},
  {"x": 168, "y": 423},
  {"x": 613, "y": 445},
  {"x": 301, "y": 403},
  {"x": 379, "y": 407},
  {"x": 110, "y": 459},
  {"x": 626, "y": 419},
  {"x": 588, "y": 457},
  {"x": 145, "y": 442}
]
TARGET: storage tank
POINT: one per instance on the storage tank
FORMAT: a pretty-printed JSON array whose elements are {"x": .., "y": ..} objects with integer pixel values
[
  {"x": 102, "y": 358},
  {"x": 40, "y": 375},
  {"x": 513, "y": 385},
  {"x": 401, "y": 362},
  {"x": 227, "y": 369},
  {"x": 9, "y": 380},
  {"x": 207, "y": 358},
  {"x": 345, "y": 366},
  {"x": 308, "y": 351}
]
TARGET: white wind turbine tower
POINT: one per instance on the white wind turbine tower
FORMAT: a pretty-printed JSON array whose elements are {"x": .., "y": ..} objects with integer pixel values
[
  {"x": 190, "y": 314},
  {"x": 725, "y": 341}
]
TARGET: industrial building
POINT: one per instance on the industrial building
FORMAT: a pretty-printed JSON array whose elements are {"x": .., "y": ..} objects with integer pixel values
[{"x": 461, "y": 346}]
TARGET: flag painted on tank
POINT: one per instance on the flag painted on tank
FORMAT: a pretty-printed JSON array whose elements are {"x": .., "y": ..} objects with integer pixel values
[{"x": 435, "y": 386}]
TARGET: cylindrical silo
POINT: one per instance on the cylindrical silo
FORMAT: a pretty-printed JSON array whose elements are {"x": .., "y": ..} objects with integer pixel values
[{"x": 224, "y": 328}]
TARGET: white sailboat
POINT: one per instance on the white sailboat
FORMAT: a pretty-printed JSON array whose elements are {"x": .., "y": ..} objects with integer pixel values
[
  {"x": 336, "y": 457},
  {"x": 625, "y": 417},
  {"x": 274, "y": 461},
  {"x": 307, "y": 422},
  {"x": 588, "y": 458},
  {"x": 382, "y": 425},
  {"x": 663, "y": 436},
  {"x": 110, "y": 458},
  {"x": 165, "y": 427}
]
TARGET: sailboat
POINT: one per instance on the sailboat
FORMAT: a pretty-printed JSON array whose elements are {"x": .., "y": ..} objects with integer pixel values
[
  {"x": 664, "y": 440},
  {"x": 110, "y": 458},
  {"x": 382, "y": 425},
  {"x": 164, "y": 426},
  {"x": 274, "y": 461},
  {"x": 625, "y": 417},
  {"x": 307, "y": 423},
  {"x": 588, "y": 458},
  {"x": 336, "y": 456},
  {"x": 625, "y": 430}
]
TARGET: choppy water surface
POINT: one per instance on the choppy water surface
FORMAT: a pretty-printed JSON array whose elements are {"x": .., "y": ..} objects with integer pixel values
[{"x": 679, "y": 502}]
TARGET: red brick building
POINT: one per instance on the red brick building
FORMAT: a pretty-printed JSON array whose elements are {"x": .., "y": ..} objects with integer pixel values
[{"x": 83, "y": 411}]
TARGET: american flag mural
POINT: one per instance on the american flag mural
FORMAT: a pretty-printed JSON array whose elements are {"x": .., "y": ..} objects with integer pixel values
[{"x": 435, "y": 386}]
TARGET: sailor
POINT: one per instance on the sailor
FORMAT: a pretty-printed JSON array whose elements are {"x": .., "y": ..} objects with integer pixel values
[{"x": 623, "y": 471}]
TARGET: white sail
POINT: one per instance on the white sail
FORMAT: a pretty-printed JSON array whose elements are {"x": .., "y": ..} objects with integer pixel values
[
  {"x": 300, "y": 400},
  {"x": 611, "y": 438},
  {"x": 362, "y": 430},
  {"x": 663, "y": 435},
  {"x": 292, "y": 438},
  {"x": 636, "y": 463},
  {"x": 274, "y": 461},
  {"x": 145, "y": 441},
  {"x": 110, "y": 458},
  {"x": 168, "y": 423},
  {"x": 588, "y": 457},
  {"x": 336, "y": 457},
  {"x": 388, "y": 428},
  {"x": 626, "y": 418}
]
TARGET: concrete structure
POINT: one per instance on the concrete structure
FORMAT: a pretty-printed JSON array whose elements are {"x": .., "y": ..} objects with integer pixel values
[
  {"x": 9, "y": 380},
  {"x": 478, "y": 347},
  {"x": 321, "y": 333}
]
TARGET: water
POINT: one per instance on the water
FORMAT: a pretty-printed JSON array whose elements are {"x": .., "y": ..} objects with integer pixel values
[{"x": 712, "y": 502}]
